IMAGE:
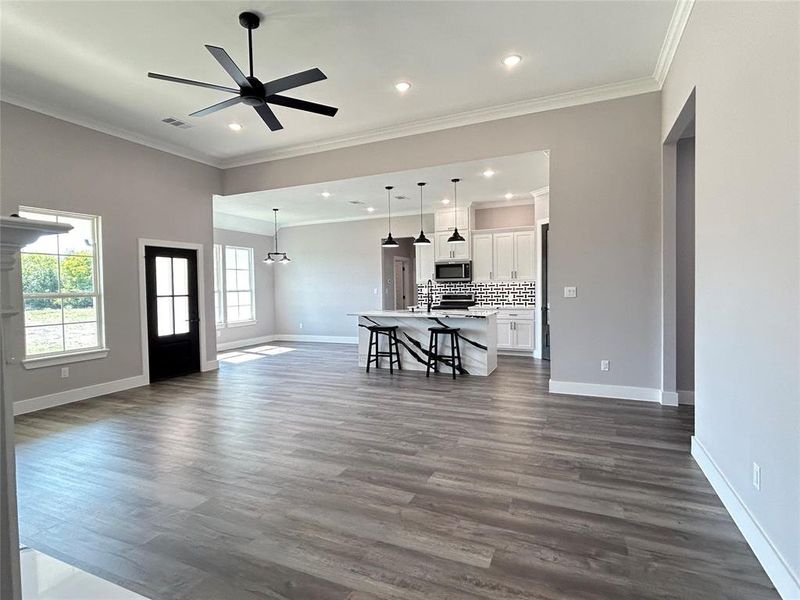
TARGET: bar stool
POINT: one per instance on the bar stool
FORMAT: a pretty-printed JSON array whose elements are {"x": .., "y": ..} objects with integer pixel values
[
  {"x": 393, "y": 354},
  {"x": 433, "y": 350}
]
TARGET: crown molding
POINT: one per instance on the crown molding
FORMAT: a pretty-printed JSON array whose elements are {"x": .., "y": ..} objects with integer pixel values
[
  {"x": 600, "y": 93},
  {"x": 407, "y": 213},
  {"x": 680, "y": 16},
  {"x": 110, "y": 130},
  {"x": 542, "y": 191},
  {"x": 501, "y": 203}
]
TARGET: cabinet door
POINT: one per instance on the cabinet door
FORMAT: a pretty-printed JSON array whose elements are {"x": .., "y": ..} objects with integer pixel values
[
  {"x": 503, "y": 256},
  {"x": 424, "y": 263},
  {"x": 523, "y": 255},
  {"x": 482, "y": 257},
  {"x": 462, "y": 251},
  {"x": 443, "y": 250},
  {"x": 504, "y": 334},
  {"x": 523, "y": 332},
  {"x": 445, "y": 219}
]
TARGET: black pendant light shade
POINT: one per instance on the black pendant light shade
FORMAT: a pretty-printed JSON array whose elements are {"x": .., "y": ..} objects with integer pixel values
[
  {"x": 456, "y": 238},
  {"x": 277, "y": 256},
  {"x": 421, "y": 240},
  {"x": 389, "y": 242}
]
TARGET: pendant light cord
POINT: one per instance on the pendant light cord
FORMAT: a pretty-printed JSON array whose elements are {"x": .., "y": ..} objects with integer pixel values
[
  {"x": 389, "y": 200},
  {"x": 420, "y": 205},
  {"x": 275, "y": 213}
]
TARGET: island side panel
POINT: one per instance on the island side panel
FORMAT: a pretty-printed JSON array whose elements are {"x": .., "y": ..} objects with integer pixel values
[{"x": 478, "y": 346}]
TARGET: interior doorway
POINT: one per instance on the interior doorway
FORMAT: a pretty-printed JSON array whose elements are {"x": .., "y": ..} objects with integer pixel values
[
  {"x": 678, "y": 218},
  {"x": 398, "y": 277},
  {"x": 173, "y": 322},
  {"x": 402, "y": 279}
]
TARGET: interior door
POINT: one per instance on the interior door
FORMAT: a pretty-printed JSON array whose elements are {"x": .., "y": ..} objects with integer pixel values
[
  {"x": 401, "y": 275},
  {"x": 545, "y": 294},
  {"x": 503, "y": 256},
  {"x": 173, "y": 323}
]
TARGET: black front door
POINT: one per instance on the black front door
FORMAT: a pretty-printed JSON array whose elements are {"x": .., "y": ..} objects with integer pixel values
[
  {"x": 545, "y": 296},
  {"x": 173, "y": 324}
]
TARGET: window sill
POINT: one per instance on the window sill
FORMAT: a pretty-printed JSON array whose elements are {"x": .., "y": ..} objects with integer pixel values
[
  {"x": 242, "y": 323},
  {"x": 64, "y": 359}
]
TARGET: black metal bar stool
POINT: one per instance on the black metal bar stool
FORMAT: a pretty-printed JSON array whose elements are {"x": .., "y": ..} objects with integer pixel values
[
  {"x": 393, "y": 354},
  {"x": 433, "y": 350}
]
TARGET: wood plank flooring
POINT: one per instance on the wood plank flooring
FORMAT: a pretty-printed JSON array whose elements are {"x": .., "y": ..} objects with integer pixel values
[{"x": 298, "y": 476}]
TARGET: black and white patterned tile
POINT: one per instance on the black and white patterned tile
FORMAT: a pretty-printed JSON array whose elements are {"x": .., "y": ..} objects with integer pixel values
[{"x": 486, "y": 292}]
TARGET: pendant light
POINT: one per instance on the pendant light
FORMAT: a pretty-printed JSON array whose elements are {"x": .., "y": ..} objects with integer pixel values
[
  {"x": 389, "y": 242},
  {"x": 456, "y": 238},
  {"x": 421, "y": 240},
  {"x": 277, "y": 256}
]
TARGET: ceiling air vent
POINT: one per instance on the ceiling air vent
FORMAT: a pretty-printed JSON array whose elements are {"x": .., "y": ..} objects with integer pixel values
[
  {"x": 176, "y": 123},
  {"x": 401, "y": 197},
  {"x": 355, "y": 202}
]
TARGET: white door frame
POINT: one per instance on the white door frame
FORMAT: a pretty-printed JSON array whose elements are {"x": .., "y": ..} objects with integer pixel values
[
  {"x": 538, "y": 328},
  {"x": 205, "y": 364}
]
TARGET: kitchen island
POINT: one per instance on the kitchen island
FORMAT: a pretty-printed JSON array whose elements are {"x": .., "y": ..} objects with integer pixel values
[{"x": 477, "y": 336}]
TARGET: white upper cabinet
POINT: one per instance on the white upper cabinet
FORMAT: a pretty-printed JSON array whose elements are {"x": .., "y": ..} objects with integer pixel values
[
  {"x": 524, "y": 249},
  {"x": 503, "y": 256},
  {"x": 444, "y": 250},
  {"x": 445, "y": 219},
  {"x": 482, "y": 257},
  {"x": 424, "y": 267}
]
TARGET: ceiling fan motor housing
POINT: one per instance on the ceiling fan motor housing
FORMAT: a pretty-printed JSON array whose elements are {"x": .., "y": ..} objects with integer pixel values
[
  {"x": 249, "y": 20},
  {"x": 255, "y": 95}
]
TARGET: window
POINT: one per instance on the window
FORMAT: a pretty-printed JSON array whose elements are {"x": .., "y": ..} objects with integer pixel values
[
  {"x": 61, "y": 287},
  {"x": 234, "y": 295},
  {"x": 172, "y": 295},
  {"x": 219, "y": 306}
]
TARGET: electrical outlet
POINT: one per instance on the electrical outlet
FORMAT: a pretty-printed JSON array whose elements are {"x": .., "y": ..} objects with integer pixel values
[
  {"x": 64, "y": 372},
  {"x": 570, "y": 291},
  {"x": 604, "y": 365},
  {"x": 757, "y": 476}
]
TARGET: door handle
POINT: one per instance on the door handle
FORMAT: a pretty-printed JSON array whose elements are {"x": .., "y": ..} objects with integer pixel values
[{"x": 194, "y": 320}]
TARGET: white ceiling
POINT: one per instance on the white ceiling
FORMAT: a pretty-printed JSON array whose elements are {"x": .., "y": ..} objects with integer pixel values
[
  {"x": 88, "y": 61},
  {"x": 518, "y": 174}
]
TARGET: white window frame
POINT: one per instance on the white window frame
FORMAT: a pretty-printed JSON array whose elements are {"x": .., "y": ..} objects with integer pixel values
[
  {"x": 224, "y": 285},
  {"x": 219, "y": 285},
  {"x": 36, "y": 361}
]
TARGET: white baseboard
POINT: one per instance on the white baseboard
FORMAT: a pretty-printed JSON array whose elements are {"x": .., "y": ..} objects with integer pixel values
[
  {"x": 22, "y": 407},
  {"x": 621, "y": 392},
  {"x": 325, "y": 339},
  {"x": 209, "y": 365},
  {"x": 777, "y": 568},
  {"x": 669, "y": 398},
  {"x": 264, "y": 339},
  {"x": 686, "y": 397}
]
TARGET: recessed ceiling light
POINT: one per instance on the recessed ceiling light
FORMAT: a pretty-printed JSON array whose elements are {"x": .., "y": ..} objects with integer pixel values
[
  {"x": 509, "y": 196},
  {"x": 445, "y": 200},
  {"x": 234, "y": 127},
  {"x": 512, "y": 60},
  {"x": 326, "y": 194},
  {"x": 402, "y": 86},
  {"x": 488, "y": 173},
  {"x": 370, "y": 209}
]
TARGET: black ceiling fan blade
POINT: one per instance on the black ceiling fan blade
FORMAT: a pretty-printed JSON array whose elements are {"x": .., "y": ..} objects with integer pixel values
[
  {"x": 210, "y": 86},
  {"x": 227, "y": 63},
  {"x": 292, "y": 81},
  {"x": 215, "y": 107},
  {"x": 320, "y": 109},
  {"x": 265, "y": 112}
]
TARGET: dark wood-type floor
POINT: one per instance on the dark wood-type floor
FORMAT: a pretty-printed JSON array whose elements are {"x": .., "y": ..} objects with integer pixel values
[{"x": 299, "y": 476}]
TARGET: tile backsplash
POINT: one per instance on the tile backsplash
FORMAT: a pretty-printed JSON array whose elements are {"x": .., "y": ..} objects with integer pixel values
[{"x": 486, "y": 292}]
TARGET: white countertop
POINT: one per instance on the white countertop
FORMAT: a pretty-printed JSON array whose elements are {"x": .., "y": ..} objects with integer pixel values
[
  {"x": 422, "y": 314},
  {"x": 504, "y": 307}
]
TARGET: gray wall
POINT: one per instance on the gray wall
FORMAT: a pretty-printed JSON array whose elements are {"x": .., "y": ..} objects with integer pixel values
[
  {"x": 335, "y": 269},
  {"x": 605, "y": 235},
  {"x": 684, "y": 265},
  {"x": 504, "y": 216},
  {"x": 742, "y": 58},
  {"x": 264, "y": 285},
  {"x": 139, "y": 193}
]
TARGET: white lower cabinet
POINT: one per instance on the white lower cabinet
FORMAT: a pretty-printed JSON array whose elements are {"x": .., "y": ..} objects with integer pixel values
[{"x": 515, "y": 330}]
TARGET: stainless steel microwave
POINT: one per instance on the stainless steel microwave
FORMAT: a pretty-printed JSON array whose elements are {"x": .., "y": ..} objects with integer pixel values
[{"x": 453, "y": 270}]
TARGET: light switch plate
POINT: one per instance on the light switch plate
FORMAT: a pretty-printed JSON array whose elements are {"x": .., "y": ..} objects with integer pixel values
[{"x": 570, "y": 291}]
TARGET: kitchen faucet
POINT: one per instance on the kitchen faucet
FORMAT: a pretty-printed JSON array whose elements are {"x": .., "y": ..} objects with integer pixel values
[{"x": 430, "y": 294}]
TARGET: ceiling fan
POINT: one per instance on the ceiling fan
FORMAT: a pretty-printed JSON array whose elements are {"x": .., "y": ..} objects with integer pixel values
[{"x": 252, "y": 91}]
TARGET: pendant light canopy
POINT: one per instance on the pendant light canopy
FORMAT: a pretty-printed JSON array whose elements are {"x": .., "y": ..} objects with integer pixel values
[
  {"x": 456, "y": 238},
  {"x": 389, "y": 242},
  {"x": 421, "y": 240},
  {"x": 277, "y": 256}
]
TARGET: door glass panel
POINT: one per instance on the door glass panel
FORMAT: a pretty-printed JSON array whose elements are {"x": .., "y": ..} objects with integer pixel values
[
  {"x": 163, "y": 278},
  {"x": 181, "y": 314},
  {"x": 164, "y": 316},
  {"x": 180, "y": 276}
]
